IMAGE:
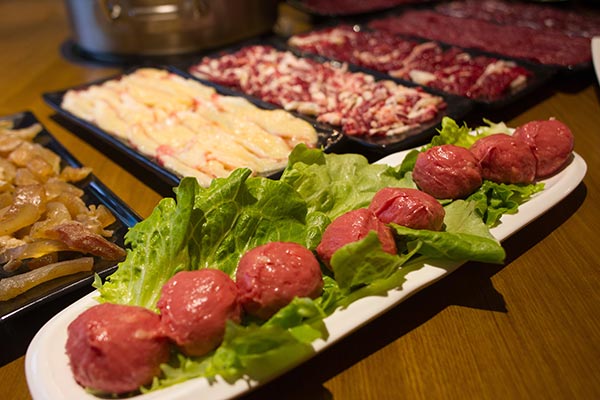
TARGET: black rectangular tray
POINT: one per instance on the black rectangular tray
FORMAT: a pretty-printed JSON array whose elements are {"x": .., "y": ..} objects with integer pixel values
[
  {"x": 550, "y": 69},
  {"x": 367, "y": 7},
  {"x": 48, "y": 293},
  {"x": 540, "y": 75},
  {"x": 456, "y": 107},
  {"x": 327, "y": 139}
]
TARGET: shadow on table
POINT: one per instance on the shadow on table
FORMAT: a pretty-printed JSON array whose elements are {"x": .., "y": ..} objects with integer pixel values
[{"x": 469, "y": 286}]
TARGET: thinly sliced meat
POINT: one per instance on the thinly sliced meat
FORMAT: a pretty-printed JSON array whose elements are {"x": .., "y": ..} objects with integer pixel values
[
  {"x": 536, "y": 16},
  {"x": 355, "y": 101},
  {"x": 451, "y": 70},
  {"x": 546, "y": 47}
]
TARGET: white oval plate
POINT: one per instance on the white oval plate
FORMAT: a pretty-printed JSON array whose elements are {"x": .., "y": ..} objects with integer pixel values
[
  {"x": 47, "y": 367},
  {"x": 596, "y": 55}
]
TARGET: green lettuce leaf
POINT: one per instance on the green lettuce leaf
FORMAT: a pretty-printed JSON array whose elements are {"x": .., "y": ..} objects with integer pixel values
[
  {"x": 360, "y": 263},
  {"x": 492, "y": 200},
  {"x": 465, "y": 237},
  {"x": 240, "y": 213},
  {"x": 209, "y": 228},
  {"x": 451, "y": 133},
  {"x": 337, "y": 183},
  {"x": 157, "y": 250},
  {"x": 255, "y": 351}
]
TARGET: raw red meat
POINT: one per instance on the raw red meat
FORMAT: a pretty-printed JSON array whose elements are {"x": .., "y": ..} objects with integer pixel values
[
  {"x": 408, "y": 207},
  {"x": 352, "y": 227},
  {"x": 355, "y": 101},
  {"x": 536, "y": 16},
  {"x": 545, "y": 47},
  {"x": 195, "y": 307},
  {"x": 450, "y": 70},
  {"x": 447, "y": 172},
  {"x": 268, "y": 277},
  {"x": 552, "y": 143},
  {"x": 505, "y": 159},
  {"x": 347, "y": 7},
  {"x": 115, "y": 348}
]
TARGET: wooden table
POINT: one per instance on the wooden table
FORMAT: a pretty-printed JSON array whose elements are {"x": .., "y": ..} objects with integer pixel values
[{"x": 527, "y": 329}]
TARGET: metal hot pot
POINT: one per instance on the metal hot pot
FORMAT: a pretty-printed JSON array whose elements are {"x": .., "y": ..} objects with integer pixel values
[{"x": 163, "y": 28}]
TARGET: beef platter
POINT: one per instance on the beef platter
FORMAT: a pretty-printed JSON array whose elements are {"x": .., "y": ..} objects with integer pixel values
[
  {"x": 487, "y": 80},
  {"x": 529, "y": 15},
  {"x": 350, "y": 7},
  {"x": 378, "y": 113},
  {"x": 551, "y": 48}
]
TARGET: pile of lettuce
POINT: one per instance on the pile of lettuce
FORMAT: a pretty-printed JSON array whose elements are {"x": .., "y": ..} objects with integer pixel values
[{"x": 213, "y": 227}]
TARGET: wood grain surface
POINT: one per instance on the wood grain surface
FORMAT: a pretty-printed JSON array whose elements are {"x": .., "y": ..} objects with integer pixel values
[{"x": 527, "y": 329}]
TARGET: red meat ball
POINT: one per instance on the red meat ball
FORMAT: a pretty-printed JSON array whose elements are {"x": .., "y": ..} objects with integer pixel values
[
  {"x": 270, "y": 276},
  {"x": 116, "y": 348},
  {"x": 195, "y": 307},
  {"x": 552, "y": 143},
  {"x": 352, "y": 227},
  {"x": 505, "y": 159},
  {"x": 408, "y": 207},
  {"x": 447, "y": 172}
]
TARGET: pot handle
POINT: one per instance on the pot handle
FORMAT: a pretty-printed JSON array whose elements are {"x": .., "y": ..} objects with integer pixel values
[{"x": 113, "y": 9}]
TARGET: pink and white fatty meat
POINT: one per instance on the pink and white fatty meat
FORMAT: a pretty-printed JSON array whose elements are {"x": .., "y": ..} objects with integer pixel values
[
  {"x": 452, "y": 70},
  {"x": 354, "y": 101}
]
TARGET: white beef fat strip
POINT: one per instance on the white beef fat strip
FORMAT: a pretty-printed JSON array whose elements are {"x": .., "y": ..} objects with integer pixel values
[{"x": 355, "y": 101}]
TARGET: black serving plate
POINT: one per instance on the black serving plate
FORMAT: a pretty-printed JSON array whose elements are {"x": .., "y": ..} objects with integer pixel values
[
  {"x": 550, "y": 68},
  {"x": 327, "y": 139},
  {"x": 456, "y": 107},
  {"x": 365, "y": 7},
  {"x": 539, "y": 77},
  {"x": 95, "y": 192}
]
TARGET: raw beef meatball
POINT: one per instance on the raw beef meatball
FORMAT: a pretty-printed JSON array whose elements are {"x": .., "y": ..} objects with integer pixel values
[
  {"x": 552, "y": 143},
  {"x": 408, "y": 207},
  {"x": 268, "y": 277},
  {"x": 116, "y": 348},
  {"x": 505, "y": 159},
  {"x": 352, "y": 227},
  {"x": 447, "y": 172},
  {"x": 195, "y": 306}
]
